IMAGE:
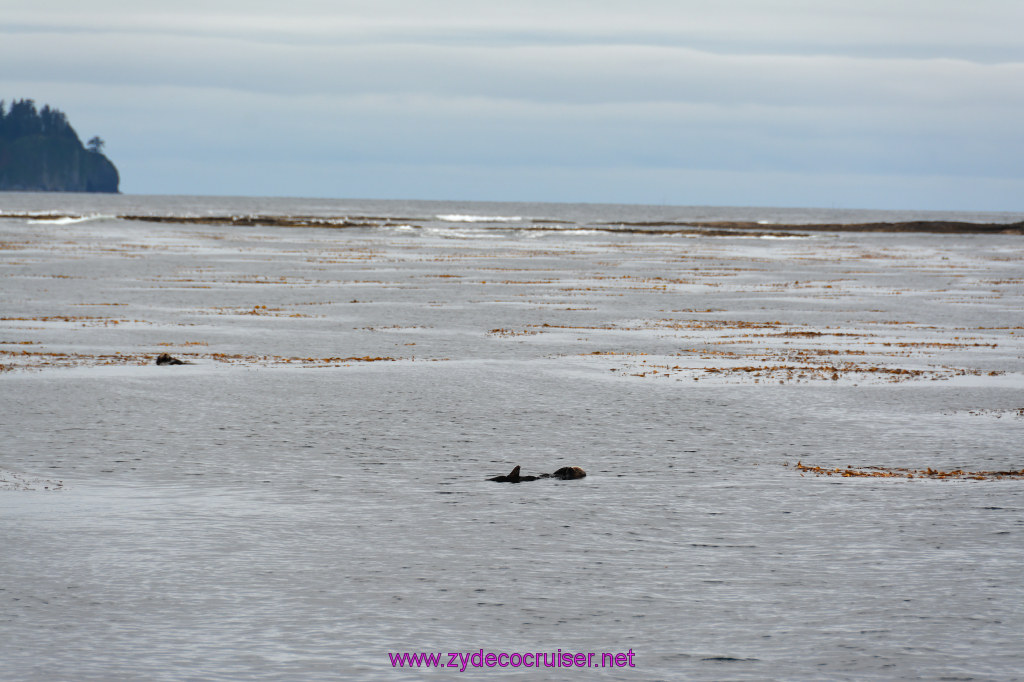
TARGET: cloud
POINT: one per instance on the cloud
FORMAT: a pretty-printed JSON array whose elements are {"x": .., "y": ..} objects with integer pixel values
[
  {"x": 942, "y": 27},
  {"x": 586, "y": 74},
  {"x": 737, "y": 88}
]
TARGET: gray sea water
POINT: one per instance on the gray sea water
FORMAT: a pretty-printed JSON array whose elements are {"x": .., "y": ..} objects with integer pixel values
[{"x": 310, "y": 494}]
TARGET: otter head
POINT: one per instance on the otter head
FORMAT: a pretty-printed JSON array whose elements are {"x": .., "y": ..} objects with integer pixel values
[{"x": 569, "y": 473}]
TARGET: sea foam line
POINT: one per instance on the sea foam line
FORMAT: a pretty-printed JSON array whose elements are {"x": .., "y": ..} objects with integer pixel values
[
  {"x": 68, "y": 220},
  {"x": 459, "y": 218}
]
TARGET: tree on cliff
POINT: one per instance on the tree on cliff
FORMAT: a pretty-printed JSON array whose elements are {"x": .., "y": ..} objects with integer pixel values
[{"x": 40, "y": 151}]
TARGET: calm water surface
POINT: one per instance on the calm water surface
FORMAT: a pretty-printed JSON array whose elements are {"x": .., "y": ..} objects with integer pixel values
[{"x": 309, "y": 494}]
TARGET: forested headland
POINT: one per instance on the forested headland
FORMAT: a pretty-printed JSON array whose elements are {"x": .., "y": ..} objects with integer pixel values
[{"x": 41, "y": 152}]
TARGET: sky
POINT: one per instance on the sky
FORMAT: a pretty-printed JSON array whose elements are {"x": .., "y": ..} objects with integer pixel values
[{"x": 908, "y": 104}]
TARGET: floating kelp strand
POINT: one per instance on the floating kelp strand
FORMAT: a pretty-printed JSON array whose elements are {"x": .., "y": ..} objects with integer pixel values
[{"x": 900, "y": 472}]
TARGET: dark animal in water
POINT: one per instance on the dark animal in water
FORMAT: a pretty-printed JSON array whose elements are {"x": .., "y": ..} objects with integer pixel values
[
  {"x": 513, "y": 477},
  {"x": 563, "y": 474},
  {"x": 165, "y": 359},
  {"x": 569, "y": 473}
]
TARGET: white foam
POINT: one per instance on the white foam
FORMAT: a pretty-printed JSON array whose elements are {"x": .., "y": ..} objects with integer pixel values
[
  {"x": 67, "y": 220},
  {"x": 458, "y": 218}
]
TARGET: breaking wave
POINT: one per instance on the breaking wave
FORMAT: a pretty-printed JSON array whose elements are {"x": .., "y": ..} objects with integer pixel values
[
  {"x": 458, "y": 218},
  {"x": 67, "y": 219}
]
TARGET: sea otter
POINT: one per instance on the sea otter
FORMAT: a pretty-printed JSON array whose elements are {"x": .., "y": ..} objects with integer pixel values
[
  {"x": 563, "y": 474},
  {"x": 165, "y": 359},
  {"x": 567, "y": 473}
]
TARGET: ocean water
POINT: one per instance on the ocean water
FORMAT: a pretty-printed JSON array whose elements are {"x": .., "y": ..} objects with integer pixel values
[{"x": 309, "y": 494}]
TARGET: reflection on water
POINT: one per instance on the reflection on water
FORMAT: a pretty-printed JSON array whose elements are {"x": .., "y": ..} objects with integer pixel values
[{"x": 286, "y": 509}]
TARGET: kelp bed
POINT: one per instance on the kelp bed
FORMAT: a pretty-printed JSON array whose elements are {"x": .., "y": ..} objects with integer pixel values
[
  {"x": 900, "y": 472},
  {"x": 36, "y": 360}
]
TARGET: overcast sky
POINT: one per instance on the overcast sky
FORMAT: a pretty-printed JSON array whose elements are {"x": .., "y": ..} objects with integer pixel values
[{"x": 912, "y": 104}]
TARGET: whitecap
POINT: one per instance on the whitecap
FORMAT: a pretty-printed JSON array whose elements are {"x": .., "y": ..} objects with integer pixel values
[
  {"x": 459, "y": 218},
  {"x": 66, "y": 220}
]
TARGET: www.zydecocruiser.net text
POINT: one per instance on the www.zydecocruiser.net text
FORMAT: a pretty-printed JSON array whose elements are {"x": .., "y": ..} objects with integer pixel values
[{"x": 463, "y": 660}]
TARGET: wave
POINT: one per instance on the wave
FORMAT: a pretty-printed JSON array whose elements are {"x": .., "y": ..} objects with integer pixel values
[
  {"x": 452, "y": 233},
  {"x": 459, "y": 218},
  {"x": 68, "y": 220}
]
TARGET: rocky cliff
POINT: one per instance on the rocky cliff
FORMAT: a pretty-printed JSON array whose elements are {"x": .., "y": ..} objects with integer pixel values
[{"x": 40, "y": 151}]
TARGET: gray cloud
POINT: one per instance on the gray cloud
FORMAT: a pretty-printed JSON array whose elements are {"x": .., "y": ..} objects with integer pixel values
[
  {"x": 943, "y": 26},
  {"x": 737, "y": 89}
]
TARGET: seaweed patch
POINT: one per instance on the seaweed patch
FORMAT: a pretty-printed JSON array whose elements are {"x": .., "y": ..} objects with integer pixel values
[{"x": 900, "y": 472}]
